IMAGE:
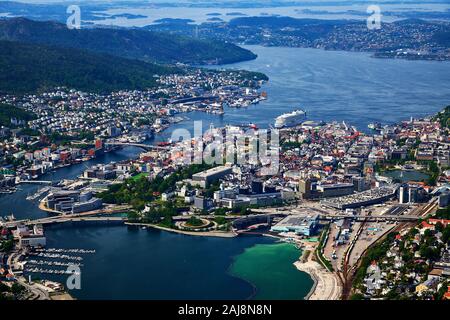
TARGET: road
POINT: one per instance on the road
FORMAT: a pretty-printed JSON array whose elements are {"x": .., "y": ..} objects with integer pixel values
[
  {"x": 38, "y": 293},
  {"x": 420, "y": 212},
  {"x": 74, "y": 216}
]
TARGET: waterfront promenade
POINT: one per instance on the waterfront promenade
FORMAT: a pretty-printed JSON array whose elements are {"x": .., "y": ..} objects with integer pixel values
[{"x": 219, "y": 234}]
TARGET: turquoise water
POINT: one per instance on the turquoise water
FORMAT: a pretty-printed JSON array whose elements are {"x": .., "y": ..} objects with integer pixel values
[{"x": 269, "y": 267}]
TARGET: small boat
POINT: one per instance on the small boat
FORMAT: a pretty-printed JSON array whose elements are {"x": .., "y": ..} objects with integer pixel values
[
  {"x": 374, "y": 126},
  {"x": 253, "y": 126}
]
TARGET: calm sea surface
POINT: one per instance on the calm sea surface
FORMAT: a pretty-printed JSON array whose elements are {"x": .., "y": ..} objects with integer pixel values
[{"x": 344, "y": 86}]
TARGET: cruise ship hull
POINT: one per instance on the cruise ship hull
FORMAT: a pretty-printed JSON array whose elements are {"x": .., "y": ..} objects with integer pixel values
[{"x": 290, "y": 120}]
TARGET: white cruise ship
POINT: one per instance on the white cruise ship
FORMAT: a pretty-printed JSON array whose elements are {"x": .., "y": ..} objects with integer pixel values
[{"x": 290, "y": 119}]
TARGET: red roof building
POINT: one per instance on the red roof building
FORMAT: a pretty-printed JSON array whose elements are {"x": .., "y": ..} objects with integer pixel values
[
  {"x": 444, "y": 222},
  {"x": 426, "y": 225},
  {"x": 447, "y": 294}
]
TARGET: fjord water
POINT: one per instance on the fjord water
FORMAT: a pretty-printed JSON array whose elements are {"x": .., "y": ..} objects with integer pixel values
[
  {"x": 149, "y": 264},
  {"x": 132, "y": 263},
  {"x": 344, "y": 86},
  {"x": 336, "y": 85}
]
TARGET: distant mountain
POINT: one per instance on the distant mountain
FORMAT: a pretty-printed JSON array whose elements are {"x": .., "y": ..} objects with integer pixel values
[
  {"x": 410, "y": 36},
  {"x": 309, "y": 29},
  {"x": 29, "y": 68},
  {"x": 238, "y": 29},
  {"x": 128, "y": 43}
]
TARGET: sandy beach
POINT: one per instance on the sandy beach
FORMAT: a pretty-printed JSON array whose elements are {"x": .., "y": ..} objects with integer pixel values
[
  {"x": 326, "y": 284},
  {"x": 43, "y": 207}
]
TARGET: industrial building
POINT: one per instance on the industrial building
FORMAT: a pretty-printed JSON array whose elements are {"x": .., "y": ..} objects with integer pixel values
[
  {"x": 265, "y": 199},
  {"x": 72, "y": 201},
  {"x": 361, "y": 199},
  {"x": 299, "y": 224},
  {"x": 360, "y": 184},
  {"x": 205, "y": 178},
  {"x": 311, "y": 190},
  {"x": 335, "y": 190},
  {"x": 304, "y": 187},
  {"x": 411, "y": 193},
  {"x": 100, "y": 172},
  {"x": 30, "y": 238},
  {"x": 202, "y": 203}
]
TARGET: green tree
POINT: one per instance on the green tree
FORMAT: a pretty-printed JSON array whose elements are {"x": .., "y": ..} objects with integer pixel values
[{"x": 357, "y": 296}]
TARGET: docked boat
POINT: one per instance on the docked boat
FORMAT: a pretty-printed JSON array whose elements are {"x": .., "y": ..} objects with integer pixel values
[
  {"x": 290, "y": 119},
  {"x": 253, "y": 126},
  {"x": 374, "y": 126}
]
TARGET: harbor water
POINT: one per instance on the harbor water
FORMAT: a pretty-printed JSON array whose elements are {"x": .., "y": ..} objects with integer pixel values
[{"x": 150, "y": 264}]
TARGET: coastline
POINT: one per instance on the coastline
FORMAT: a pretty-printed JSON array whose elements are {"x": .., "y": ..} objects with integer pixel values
[
  {"x": 326, "y": 285},
  {"x": 217, "y": 234},
  {"x": 314, "y": 279},
  {"x": 43, "y": 207}
]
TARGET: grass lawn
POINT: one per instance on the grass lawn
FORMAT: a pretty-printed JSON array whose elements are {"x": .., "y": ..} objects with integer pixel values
[{"x": 138, "y": 176}]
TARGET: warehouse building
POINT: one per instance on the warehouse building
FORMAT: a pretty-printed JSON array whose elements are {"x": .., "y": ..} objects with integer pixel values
[{"x": 335, "y": 190}]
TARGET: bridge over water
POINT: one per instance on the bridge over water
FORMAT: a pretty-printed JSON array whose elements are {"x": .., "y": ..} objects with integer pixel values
[
  {"x": 240, "y": 222},
  {"x": 84, "y": 219},
  {"x": 105, "y": 214},
  {"x": 138, "y": 145},
  {"x": 63, "y": 219},
  {"x": 124, "y": 144}
]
